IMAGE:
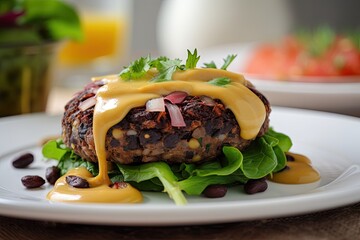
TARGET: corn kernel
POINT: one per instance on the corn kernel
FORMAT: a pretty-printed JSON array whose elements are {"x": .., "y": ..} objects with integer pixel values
[
  {"x": 196, "y": 158},
  {"x": 193, "y": 143},
  {"x": 117, "y": 133},
  {"x": 147, "y": 136}
]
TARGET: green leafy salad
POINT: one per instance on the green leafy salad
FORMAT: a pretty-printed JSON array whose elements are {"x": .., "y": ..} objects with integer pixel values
[{"x": 264, "y": 156}]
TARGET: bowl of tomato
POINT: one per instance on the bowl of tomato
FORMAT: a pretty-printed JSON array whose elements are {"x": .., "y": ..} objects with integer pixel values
[
  {"x": 319, "y": 56},
  {"x": 314, "y": 70}
]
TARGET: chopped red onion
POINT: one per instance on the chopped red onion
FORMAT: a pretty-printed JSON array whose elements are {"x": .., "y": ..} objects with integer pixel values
[
  {"x": 96, "y": 85},
  {"x": 208, "y": 101},
  {"x": 176, "y": 117},
  {"x": 176, "y": 97},
  {"x": 155, "y": 105},
  {"x": 94, "y": 90},
  {"x": 88, "y": 103}
]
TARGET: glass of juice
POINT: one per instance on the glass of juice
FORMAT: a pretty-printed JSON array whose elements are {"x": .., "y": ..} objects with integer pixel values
[{"x": 104, "y": 49}]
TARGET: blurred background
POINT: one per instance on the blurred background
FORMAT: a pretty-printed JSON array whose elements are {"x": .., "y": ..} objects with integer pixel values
[
  {"x": 249, "y": 19},
  {"x": 119, "y": 31}
]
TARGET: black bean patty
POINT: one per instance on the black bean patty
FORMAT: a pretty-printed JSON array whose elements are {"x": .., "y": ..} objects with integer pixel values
[{"x": 144, "y": 136}]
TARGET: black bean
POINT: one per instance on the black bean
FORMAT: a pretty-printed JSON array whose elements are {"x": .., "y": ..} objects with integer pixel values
[
  {"x": 137, "y": 159},
  {"x": 114, "y": 143},
  {"x": 32, "y": 181},
  {"x": 52, "y": 174},
  {"x": 132, "y": 143},
  {"x": 285, "y": 168},
  {"x": 77, "y": 182},
  {"x": 149, "y": 136},
  {"x": 255, "y": 186},
  {"x": 23, "y": 161},
  {"x": 226, "y": 128},
  {"x": 215, "y": 191},
  {"x": 171, "y": 140},
  {"x": 289, "y": 158},
  {"x": 189, "y": 154},
  {"x": 187, "y": 135},
  {"x": 83, "y": 128}
]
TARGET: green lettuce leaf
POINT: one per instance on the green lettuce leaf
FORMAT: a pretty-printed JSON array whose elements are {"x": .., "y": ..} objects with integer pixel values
[
  {"x": 159, "y": 170},
  {"x": 264, "y": 156}
]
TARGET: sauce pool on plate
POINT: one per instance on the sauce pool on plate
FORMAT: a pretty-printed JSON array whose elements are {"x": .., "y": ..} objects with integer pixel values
[{"x": 297, "y": 171}]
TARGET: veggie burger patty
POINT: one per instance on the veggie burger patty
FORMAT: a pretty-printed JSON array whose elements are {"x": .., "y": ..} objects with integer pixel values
[{"x": 144, "y": 136}]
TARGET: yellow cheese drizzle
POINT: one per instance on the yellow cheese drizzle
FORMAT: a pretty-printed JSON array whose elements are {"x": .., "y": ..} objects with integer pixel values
[
  {"x": 118, "y": 97},
  {"x": 101, "y": 193},
  {"x": 299, "y": 171}
]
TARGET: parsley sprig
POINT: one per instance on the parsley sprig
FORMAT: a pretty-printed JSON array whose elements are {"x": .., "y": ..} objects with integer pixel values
[
  {"x": 227, "y": 61},
  {"x": 166, "y": 68},
  {"x": 136, "y": 69},
  {"x": 220, "y": 82}
]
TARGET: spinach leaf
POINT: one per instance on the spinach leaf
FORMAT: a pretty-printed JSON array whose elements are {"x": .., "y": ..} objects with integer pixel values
[
  {"x": 159, "y": 170},
  {"x": 233, "y": 158},
  {"x": 280, "y": 157},
  {"x": 67, "y": 158},
  {"x": 285, "y": 142},
  {"x": 259, "y": 159},
  {"x": 52, "y": 150},
  {"x": 195, "y": 185}
]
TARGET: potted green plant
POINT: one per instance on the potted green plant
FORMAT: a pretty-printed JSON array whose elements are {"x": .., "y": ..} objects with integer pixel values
[{"x": 30, "y": 31}]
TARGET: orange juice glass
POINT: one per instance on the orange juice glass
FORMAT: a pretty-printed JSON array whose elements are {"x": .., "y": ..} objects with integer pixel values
[{"x": 104, "y": 49}]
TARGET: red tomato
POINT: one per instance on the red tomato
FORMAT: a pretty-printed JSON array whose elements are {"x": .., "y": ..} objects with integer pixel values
[{"x": 292, "y": 59}]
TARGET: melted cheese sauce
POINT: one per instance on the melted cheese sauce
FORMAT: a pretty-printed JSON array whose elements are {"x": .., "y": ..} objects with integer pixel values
[
  {"x": 298, "y": 171},
  {"x": 63, "y": 192},
  {"x": 118, "y": 97}
]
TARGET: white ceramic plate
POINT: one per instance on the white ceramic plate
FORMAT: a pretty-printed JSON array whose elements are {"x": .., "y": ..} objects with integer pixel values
[
  {"x": 329, "y": 140},
  {"x": 332, "y": 97}
]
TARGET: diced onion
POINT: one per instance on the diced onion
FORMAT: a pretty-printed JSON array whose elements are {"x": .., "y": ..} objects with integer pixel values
[
  {"x": 155, "y": 105},
  {"x": 88, "y": 103},
  {"x": 208, "y": 101},
  {"x": 176, "y": 97},
  {"x": 94, "y": 90},
  {"x": 176, "y": 117}
]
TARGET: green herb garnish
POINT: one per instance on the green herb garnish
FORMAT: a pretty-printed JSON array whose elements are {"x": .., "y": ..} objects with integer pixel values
[
  {"x": 210, "y": 65},
  {"x": 166, "y": 70},
  {"x": 136, "y": 69},
  {"x": 221, "y": 82},
  {"x": 227, "y": 62},
  {"x": 166, "y": 67},
  {"x": 192, "y": 59}
]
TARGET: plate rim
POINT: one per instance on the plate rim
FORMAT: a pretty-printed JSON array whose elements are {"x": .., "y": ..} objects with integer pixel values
[{"x": 48, "y": 210}]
